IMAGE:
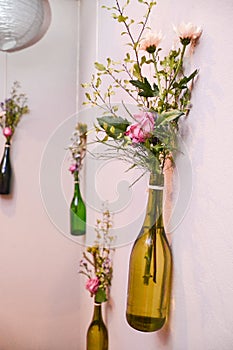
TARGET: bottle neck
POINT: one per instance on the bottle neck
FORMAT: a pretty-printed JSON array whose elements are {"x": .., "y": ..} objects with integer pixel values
[
  {"x": 76, "y": 187},
  {"x": 76, "y": 182},
  {"x": 7, "y": 150},
  {"x": 156, "y": 180},
  {"x": 154, "y": 211},
  {"x": 97, "y": 314},
  {"x": 76, "y": 176}
]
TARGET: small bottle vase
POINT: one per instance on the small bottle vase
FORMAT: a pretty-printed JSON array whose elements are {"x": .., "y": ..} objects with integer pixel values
[
  {"x": 5, "y": 171},
  {"x": 77, "y": 211},
  {"x": 97, "y": 333}
]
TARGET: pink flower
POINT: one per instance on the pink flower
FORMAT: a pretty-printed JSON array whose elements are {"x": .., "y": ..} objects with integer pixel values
[
  {"x": 73, "y": 168},
  {"x": 135, "y": 132},
  {"x": 138, "y": 132},
  {"x": 7, "y": 131},
  {"x": 150, "y": 42},
  {"x": 188, "y": 32},
  {"x": 146, "y": 119},
  {"x": 92, "y": 285}
]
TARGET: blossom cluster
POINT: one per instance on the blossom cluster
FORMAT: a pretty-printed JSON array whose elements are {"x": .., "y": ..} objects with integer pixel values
[
  {"x": 78, "y": 148},
  {"x": 96, "y": 263},
  {"x": 12, "y": 109},
  {"x": 162, "y": 98}
]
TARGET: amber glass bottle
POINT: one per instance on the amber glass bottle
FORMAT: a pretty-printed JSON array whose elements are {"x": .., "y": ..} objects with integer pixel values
[
  {"x": 97, "y": 334},
  {"x": 150, "y": 267}
]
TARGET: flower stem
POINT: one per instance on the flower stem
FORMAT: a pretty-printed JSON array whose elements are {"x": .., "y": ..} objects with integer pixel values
[
  {"x": 147, "y": 275},
  {"x": 135, "y": 42},
  {"x": 157, "y": 74},
  {"x": 178, "y": 66}
]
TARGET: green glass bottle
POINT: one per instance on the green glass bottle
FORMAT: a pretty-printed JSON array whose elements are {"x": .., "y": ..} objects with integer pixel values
[
  {"x": 97, "y": 333},
  {"x": 77, "y": 211},
  {"x": 5, "y": 171},
  {"x": 150, "y": 267}
]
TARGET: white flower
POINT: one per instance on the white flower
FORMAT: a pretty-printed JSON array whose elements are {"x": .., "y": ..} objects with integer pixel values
[
  {"x": 150, "y": 42},
  {"x": 188, "y": 32}
]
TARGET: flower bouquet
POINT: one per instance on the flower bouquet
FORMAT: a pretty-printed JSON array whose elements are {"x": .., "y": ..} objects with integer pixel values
[
  {"x": 78, "y": 148},
  {"x": 12, "y": 110},
  {"x": 96, "y": 265},
  {"x": 156, "y": 84}
]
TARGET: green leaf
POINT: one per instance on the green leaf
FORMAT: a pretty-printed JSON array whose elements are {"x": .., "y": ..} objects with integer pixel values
[
  {"x": 113, "y": 126},
  {"x": 88, "y": 96},
  {"x": 145, "y": 87},
  {"x": 109, "y": 61},
  {"x": 136, "y": 71},
  {"x": 138, "y": 84},
  {"x": 122, "y": 18},
  {"x": 98, "y": 82},
  {"x": 166, "y": 117},
  {"x": 100, "y": 296},
  {"x": 182, "y": 84},
  {"x": 155, "y": 89},
  {"x": 100, "y": 66},
  {"x": 143, "y": 60}
]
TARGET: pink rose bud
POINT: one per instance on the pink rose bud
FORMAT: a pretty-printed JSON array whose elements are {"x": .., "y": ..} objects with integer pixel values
[
  {"x": 92, "y": 285},
  {"x": 73, "y": 168},
  {"x": 7, "y": 131},
  {"x": 140, "y": 131}
]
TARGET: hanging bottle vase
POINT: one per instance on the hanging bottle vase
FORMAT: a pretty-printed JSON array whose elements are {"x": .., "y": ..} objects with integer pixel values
[
  {"x": 149, "y": 281},
  {"x": 77, "y": 211},
  {"x": 5, "y": 171},
  {"x": 97, "y": 333}
]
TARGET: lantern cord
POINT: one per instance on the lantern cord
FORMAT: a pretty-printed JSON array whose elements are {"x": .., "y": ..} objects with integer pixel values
[
  {"x": 5, "y": 75},
  {"x": 97, "y": 31},
  {"x": 78, "y": 55}
]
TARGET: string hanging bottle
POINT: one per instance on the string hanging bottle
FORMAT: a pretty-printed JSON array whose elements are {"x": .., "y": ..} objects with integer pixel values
[{"x": 150, "y": 266}]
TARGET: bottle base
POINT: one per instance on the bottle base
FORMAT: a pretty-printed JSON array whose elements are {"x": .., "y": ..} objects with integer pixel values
[
  {"x": 4, "y": 191},
  {"x": 77, "y": 233},
  {"x": 145, "y": 324}
]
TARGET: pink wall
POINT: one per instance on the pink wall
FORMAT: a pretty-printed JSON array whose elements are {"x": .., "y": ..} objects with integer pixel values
[{"x": 43, "y": 302}]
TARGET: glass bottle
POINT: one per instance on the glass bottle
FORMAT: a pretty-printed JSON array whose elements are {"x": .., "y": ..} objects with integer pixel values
[
  {"x": 5, "y": 171},
  {"x": 97, "y": 333},
  {"x": 77, "y": 210},
  {"x": 149, "y": 281}
]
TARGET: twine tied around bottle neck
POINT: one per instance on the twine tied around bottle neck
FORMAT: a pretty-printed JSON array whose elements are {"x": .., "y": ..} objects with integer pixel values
[
  {"x": 156, "y": 181},
  {"x": 155, "y": 187}
]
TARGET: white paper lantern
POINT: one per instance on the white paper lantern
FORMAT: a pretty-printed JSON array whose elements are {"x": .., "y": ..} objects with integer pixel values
[{"x": 20, "y": 22}]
